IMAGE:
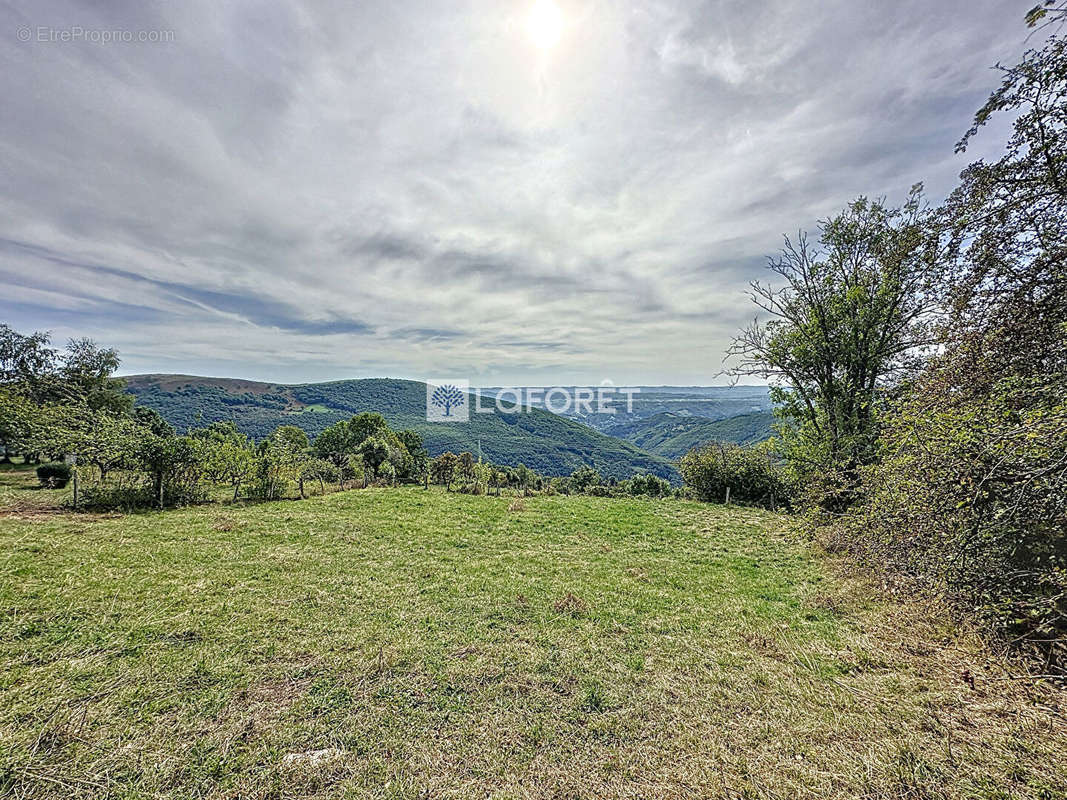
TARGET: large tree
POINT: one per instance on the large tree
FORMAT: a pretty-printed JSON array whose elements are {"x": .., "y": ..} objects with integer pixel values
[
  {"x": 845, "y": 324},
  {"x": 81, "y": 373}
]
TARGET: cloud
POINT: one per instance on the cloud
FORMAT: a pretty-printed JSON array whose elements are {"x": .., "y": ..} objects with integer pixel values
[{"x": 297, "y": 191}]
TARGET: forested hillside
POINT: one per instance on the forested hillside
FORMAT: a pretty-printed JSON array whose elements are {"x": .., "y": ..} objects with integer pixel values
[
  {"x": 545, "y": 442},
  {"x": 674, "y": 435}
]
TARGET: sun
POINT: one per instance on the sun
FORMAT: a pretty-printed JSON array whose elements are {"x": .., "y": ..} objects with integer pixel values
[{"x": 545, "y": 24}]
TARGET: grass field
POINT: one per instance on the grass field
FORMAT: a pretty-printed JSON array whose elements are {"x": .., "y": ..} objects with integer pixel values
[{"x": 412, "y": 644}]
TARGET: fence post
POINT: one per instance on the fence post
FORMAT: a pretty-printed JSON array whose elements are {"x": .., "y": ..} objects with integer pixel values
[{"x": 71, "y": 459}]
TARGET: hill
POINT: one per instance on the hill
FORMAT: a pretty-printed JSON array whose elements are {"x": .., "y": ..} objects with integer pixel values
[
  {"x": 673, "y": 435},
  {"x": 709, "y": 402},
  {"x": 545, "y": 442}
]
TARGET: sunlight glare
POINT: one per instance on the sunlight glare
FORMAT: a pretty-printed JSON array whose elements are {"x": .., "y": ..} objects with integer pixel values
[{"x": 545, "y": 24}]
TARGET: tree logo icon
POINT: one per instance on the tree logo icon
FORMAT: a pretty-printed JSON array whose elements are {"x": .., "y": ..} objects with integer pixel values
[
  {"x": 446, "y": 400},
  {"x": 446, "y": 397}
]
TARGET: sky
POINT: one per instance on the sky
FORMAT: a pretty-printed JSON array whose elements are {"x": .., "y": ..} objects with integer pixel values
[{"x": 483, "y": 189}]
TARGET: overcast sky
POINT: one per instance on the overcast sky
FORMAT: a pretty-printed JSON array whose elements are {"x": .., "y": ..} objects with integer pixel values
[{"x": 306, "y": 191}]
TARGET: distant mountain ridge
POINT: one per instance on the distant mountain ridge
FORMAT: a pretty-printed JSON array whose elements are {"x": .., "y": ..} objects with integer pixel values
[
  {"x": 546, "y": 442},
  {"x": 673, "y": 435},
  {"x": 709, "y": 402}
]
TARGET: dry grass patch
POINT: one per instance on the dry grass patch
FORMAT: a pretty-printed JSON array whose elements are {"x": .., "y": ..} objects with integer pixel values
[{"x": 571, "y": 605}]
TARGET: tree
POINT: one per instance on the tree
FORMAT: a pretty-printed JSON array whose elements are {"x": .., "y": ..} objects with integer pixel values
[
  {"x": 318, "y": 469},
  {"x": 387, "y": 473},
  {"x": 365, "y": 425},
  {"x": 374, "y": 451},
  {"x": 1049, "y": 12},
  {"x": 1008, "y": 221},
  {"x": 466, "y": 465},
  {"x": 419, "y": 457},
  {"x": 748, "y": 474},
  {"x": 151, "y": 419},
  {"x": 107, "y": 441},
  {"x": 19, "y": 419},
  {"x": 281, "y": 456},
  {"x": 27, "y": 364},
  {"x": 174, "y": 465},
  {"x": 849, "y": 323},
  {"x": 496, "y": 479},
  {"x": 523, "y": 477},
  {"x": 970, "y": 493},
  {"x": 86, "y": 370},
  {"x": 584, "y": 478},
  {"x": 344, "y": 439},
  {"x": 335, "y": 444},
  {"x": 229, "y": 455},
  {"x": 444, "y": 468}
]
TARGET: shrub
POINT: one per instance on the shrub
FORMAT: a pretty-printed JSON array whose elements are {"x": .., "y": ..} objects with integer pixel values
[
  {"x": 584, "y": 479},
  {"x": 971, "y": 497},
  {"x": 55, "y": 475},
  {"x": 749, "y": 472},
  {"x": 128, "y": 493},
  {"x": 649, "y": 485}
]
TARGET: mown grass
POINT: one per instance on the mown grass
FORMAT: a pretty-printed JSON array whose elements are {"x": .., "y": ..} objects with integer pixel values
[{"x": 404, "y": 643}]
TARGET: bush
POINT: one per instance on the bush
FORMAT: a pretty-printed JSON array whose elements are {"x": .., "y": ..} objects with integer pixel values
[
  {"x": 649, "y": 485},
  {"x": 55, "y": 475},
  {"x": 970, "y": 498},
  {"x": 128, "y": 493},
  {"x": 584, "y": 479},
  {"x": 749, "y": 472}
]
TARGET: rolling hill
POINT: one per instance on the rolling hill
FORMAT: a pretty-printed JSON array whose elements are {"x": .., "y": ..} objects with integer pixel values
[
  {"x": 709, "y": 402},
  {"x": 548, "y": 443},
  {"x": 673, "y": 435}
]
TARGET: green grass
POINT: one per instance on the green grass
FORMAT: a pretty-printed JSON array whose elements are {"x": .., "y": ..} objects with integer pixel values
[
  {"x": 404, "y": 643},
  {"x": 317, "y": 408}
]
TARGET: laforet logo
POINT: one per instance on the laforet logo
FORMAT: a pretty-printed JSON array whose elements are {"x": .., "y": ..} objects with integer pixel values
[
  {"x": 453, "y": 400},
  {"x": 447, "y": 400}
]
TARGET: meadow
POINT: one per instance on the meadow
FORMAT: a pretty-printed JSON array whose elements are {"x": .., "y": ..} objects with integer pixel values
[{"x": 412, "y": 643}]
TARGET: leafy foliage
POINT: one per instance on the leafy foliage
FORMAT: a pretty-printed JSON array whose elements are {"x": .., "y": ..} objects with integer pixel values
[
  {"x": 750, "y": 473},
  {"x": 849, "y": 323},
  {"x": 54, "y": 475},
  {"x": 970, "y": 492}
]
